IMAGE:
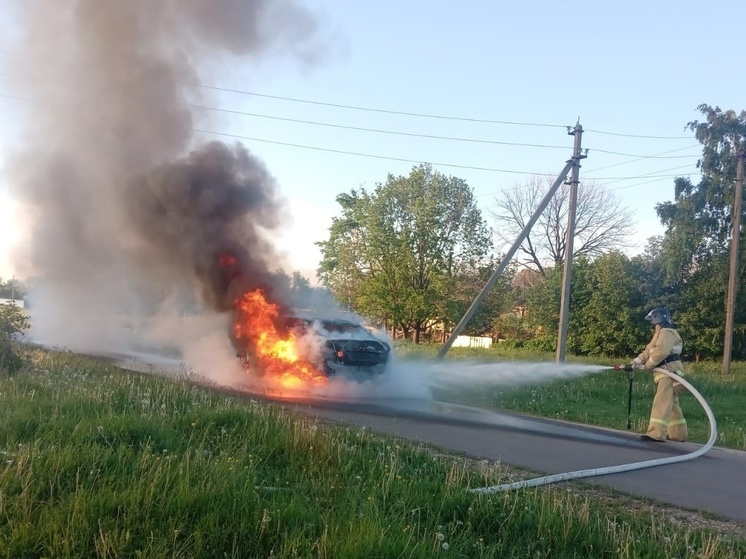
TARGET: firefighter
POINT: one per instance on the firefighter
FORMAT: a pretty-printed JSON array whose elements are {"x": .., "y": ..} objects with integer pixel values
[{"x": 664, "y": 351}]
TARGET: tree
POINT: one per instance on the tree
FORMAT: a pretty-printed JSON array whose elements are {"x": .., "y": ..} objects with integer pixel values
[
  {"x": 602, "y": 223},
  {"x": 296, "y": 291},
  {"x": 695, "y": 249},
  {"x": 611, "y": 322},
  {"x": 394, "y": 253},
  {"x": 699, "y": 219},
  {"x": 12, "y": 289},
  {"x": 12, "y": 323},
  {"x": 467, "y": 284},
  {"x": 543, "y": 301}
]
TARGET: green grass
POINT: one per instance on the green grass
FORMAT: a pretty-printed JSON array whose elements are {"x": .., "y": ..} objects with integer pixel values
[
  {"x": 602, "y": 399},
  {"x": 101, "y": 463}
]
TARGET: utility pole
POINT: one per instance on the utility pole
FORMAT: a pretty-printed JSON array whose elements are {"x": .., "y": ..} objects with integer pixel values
[
  {"x": 567, "y": 271},
  {"x": 733, "y": 276}
]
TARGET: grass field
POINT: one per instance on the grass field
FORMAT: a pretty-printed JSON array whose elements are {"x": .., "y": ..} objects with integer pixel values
[
  {"x": 602, "y": 399},
  {"x": 97, "y": 462}
]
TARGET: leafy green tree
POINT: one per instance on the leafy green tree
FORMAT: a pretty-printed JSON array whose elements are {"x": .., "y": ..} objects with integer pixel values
[
  {"x": 695, "y": 249},
  {"x": 12, "y": 289},
  {"x": 543, "y": 302},
  {"x": 12, "y": 323},
  {"x": 296, "y": 291},
  {"x": 395, "y": 253},
  {"x": 467, "y": 284},
  {"x": 611, "y": 322}
]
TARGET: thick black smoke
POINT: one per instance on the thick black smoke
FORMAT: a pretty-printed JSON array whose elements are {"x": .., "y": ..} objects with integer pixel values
[
  {"x": 124, "y": 208},
  {"x": 204, "y": 215}
]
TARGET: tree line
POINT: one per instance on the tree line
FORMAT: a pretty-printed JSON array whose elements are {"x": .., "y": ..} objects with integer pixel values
[{"x": 414, "y": 251}]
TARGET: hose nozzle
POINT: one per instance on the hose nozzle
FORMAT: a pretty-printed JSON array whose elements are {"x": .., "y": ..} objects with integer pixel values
[{"x": 627, "y": 368}]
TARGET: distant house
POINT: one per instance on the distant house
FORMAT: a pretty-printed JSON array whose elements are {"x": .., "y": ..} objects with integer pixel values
[{"x": 472, "y": 341}]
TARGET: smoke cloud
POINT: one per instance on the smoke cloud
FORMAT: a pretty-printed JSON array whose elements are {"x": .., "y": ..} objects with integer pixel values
[{"x": 125, "y": 210}]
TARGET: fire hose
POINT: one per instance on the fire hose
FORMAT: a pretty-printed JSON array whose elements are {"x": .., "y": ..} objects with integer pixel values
[{"x": 593, "y": 472}]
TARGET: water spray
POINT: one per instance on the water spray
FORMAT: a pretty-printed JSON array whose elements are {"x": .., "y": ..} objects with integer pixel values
[{"x": 622, "y": 467}]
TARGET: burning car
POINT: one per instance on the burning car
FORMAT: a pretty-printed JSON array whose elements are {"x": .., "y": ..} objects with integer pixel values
[
  {"x": 346, "y": 348},
  {"x": 297, "y": 352}
]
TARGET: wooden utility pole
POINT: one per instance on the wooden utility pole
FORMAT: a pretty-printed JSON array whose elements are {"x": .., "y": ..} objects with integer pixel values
[
  {"x": 567, "y": 271},
  {"x": 733, "y": 276}
]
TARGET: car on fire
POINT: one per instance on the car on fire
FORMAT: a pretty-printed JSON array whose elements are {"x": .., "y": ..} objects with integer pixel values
[{"x": 347, "y": 348}]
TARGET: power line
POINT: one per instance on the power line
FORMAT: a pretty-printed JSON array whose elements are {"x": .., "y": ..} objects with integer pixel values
[
  {"x": 366, "y": 109},
  {"x": 409, "y": 134},
  {"x": 414, "y": 134},
  {"x": 410, "y": 113},
  {"x": 613, "y": 180},
  {"x": 611, "y": 189},
  {"x": 431, "y": 136},
  {"x": 330, "y": 150},
  {"x": 648, "y": 175},
  {"x": 359, "y": 154},
  {"x": 641, "y": 158},
  {"x": 377, "y": 130},
  {"x": 416, "y": 161},
  {"x": 377, "y": 110},
  {"x": 362, "y": 129},
  {"x": 428, "y": 115},
  {"x": 638, "y": 135},
  {"x": 635, "y": 185},
  {"x": 389, "y": 158}
]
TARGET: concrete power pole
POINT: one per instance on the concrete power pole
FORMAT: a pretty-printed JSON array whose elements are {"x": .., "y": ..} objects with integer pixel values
[
  {"x": 733, "y": 276},
  {"x": 567, "y": 271}
]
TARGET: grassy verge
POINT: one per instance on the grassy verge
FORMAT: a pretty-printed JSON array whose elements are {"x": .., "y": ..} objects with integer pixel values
[
  {"x": 602, "y": 399},
  {"x": 99, "y": 463}
]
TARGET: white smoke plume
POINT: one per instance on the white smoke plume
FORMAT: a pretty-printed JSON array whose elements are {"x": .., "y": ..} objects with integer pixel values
[{"x": 125, "y": 209}]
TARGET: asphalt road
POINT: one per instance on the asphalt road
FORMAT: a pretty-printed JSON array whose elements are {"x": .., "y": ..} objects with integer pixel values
[{"x": 715, "y": 482}]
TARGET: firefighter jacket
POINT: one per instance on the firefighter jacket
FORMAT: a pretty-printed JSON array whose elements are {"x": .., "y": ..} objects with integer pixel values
[{"x": 664, "y": 350}]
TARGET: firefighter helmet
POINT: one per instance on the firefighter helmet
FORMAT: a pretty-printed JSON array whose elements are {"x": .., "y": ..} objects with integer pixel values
[{"x": 659, "y": 315}]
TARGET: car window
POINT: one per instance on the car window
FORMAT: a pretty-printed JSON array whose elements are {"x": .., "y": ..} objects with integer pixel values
[{"x": 341, "y": 327}]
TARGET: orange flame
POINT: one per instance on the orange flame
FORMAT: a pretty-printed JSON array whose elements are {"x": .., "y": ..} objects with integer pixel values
[{"x": 255, "y": 327}]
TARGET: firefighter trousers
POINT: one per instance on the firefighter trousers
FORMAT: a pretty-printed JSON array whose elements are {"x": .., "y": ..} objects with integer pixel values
[{"x": 666, "y": 417}]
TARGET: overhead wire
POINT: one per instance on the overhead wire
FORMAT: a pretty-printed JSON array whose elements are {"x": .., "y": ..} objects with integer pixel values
[
  {"x": 429, "y": 115},
  {"x": 382, "y": 157},
  {"x": 360, "y": 154},
  {"x": 376, "y": 156},
  {"x": 612, "y": 180},
  {"x": 410, "y": 134},
  {"x": 408, "y": 113},
  {"x": 626, "y": 186},
  {"x": 377, "y": 130},
  {"x": 389, "y": 158},
  {"x": 641, "y": 158},
  {"x": 640, "y": 136},
  {"x": 430, "y": 136}
]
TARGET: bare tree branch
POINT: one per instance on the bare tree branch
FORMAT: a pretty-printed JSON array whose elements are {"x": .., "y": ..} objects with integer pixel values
[{"x": 601, "y": 222}]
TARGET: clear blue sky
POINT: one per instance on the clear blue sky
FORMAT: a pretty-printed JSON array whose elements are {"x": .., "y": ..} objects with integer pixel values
[{"x": 629, "y": 68}]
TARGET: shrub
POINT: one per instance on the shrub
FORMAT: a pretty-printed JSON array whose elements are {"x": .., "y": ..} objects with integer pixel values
[{"x": 12, "y": 324}]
